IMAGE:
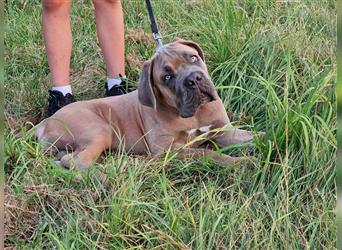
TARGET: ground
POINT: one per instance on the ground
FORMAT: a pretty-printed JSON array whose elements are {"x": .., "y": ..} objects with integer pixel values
[{"x": 273, "y": 64}]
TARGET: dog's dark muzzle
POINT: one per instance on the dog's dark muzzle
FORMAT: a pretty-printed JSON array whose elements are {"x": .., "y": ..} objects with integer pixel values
[
  {"x": 196, "y": 81},
  {"x": 197, "y": 89}
]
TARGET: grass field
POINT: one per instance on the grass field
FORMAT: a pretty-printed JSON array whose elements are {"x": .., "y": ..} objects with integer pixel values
[{"x": 273, "y": 63}]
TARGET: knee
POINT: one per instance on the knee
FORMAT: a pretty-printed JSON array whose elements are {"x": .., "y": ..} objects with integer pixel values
[
  {"x": 106, "y": 2},
  {"x": 50, "y": 5}
]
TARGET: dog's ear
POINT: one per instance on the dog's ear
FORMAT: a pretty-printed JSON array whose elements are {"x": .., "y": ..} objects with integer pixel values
[
  {"x": 190, "y": 44},
  {"x": 145, "y": 89}
]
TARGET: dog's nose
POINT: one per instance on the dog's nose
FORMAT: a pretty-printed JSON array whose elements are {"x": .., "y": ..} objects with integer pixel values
[{"x": 194, "y": 79}]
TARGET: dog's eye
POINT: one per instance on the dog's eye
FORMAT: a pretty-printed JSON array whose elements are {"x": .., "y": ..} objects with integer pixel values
[
  {"x": 167, "y": 77},
  {"x": 193, "y": 59}
]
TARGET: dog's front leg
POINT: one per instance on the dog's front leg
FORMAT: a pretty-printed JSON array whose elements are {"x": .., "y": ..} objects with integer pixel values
[{"x": 234, "y": 136}]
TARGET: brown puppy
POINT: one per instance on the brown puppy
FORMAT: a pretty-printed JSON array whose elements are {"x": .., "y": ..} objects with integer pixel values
[{"x": 176, "y": 101}]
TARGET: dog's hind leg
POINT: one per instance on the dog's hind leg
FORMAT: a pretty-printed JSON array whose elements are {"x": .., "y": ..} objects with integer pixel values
[
  {"x": 87, "y": 155},
  {"x": 82, "y": 159}
]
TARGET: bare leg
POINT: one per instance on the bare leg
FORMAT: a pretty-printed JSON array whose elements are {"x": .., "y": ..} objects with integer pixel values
[
  {"x": 110, "y": 31},
  {"x": 58, "y": 40}
]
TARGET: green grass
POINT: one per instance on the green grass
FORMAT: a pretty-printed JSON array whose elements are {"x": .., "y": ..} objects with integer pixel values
[{"x": 273, "y": 63}]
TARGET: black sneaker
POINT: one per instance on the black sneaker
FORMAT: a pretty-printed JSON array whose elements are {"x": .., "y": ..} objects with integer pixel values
[
  {"x": 115, "y": 90},
  {"x": 57, "y": 100},
  {"x": 121, "y": 89}
]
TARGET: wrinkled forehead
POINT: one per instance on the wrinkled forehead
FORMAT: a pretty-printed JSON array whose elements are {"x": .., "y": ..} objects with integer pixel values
[{"x": 173, "y": 54}]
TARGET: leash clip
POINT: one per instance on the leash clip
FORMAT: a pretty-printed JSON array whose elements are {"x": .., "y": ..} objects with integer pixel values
[
  {"x": 158, "y": 38},
  {"x": 154, "y": 26}
]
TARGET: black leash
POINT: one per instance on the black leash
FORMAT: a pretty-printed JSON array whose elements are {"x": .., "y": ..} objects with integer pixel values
[{"x": 154, "y": 27}]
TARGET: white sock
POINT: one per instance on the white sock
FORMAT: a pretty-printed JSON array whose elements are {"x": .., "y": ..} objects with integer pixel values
[
  {"x": 113, "y": 81},
  {"x": 63, "y": 89}
]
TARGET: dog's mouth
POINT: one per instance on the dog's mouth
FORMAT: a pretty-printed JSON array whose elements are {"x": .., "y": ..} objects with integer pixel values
[
  {"x": 205, "y": 97},
  {"x": 205, "y": 93},
  {"x": 192, "y": 98}
]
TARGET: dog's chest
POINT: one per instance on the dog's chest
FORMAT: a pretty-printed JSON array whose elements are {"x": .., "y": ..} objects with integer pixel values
[
  {"x": 194, "y": 136},
  {"x": 198, "y": 131}
]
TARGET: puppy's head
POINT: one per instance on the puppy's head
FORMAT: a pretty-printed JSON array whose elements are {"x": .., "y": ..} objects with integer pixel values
[{"x": 176, "y": 77}]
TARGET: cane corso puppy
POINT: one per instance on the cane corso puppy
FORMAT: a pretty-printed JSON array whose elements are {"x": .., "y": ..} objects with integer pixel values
[{"x": 176, "y": 102}]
